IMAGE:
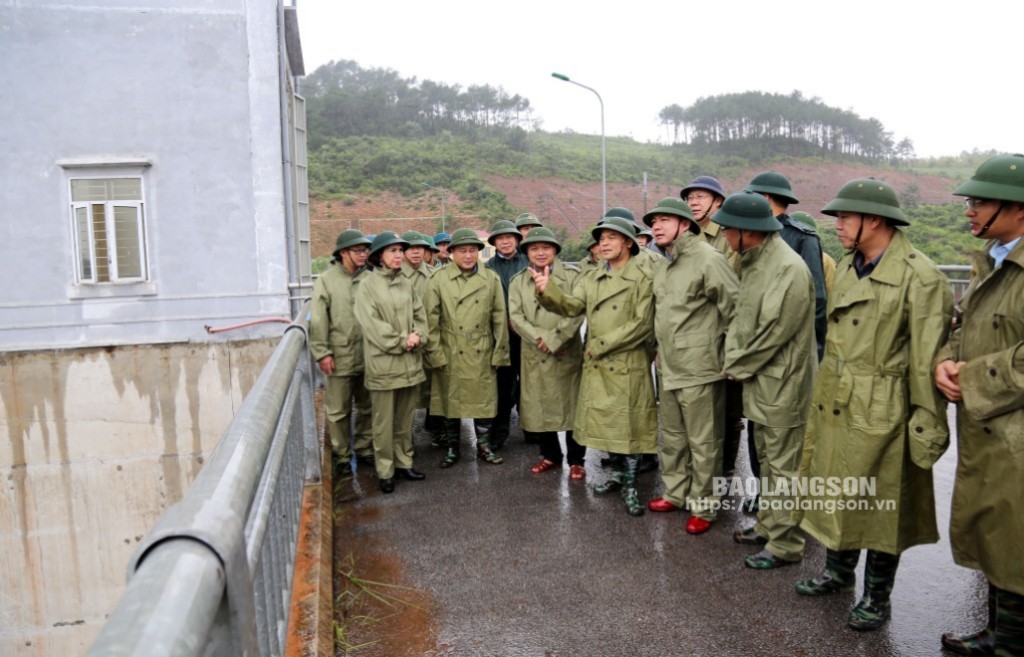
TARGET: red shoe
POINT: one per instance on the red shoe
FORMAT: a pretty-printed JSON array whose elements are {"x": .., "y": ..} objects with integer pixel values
[
  {"x": 697, "y": 525},
  {"x": 543, "y": 466},
  {"x": 661, "y": 505},
  {"x": 577, "y": 472}
]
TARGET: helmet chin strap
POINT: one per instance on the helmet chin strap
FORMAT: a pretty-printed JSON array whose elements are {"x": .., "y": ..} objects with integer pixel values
[
  {"x": 741, "y": 241},
  {"x": 988, "y": 224},
  {"x": 860, "y": 229}
]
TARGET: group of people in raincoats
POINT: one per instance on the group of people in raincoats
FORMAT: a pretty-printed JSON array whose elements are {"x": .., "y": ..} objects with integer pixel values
[{"x": 842, "y": 370}]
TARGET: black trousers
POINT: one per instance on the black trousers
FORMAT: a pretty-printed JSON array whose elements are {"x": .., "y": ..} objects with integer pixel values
[
  {"x": 508, "y": 391},
  {"x": 551, "y": 450}
]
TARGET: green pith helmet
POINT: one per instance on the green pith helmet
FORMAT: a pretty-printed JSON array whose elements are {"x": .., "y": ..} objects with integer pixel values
[
  {"x": 867, "y": 196},
  {"x": 774, "y": 183},
  {"x": 465, "y": 237},
  {"x": 621, "y": 226},
  {"x": 502, "y": 227},
  {"x": 384, "y": 240},
  {"x": 416, "y": 239},
  {"x": 673, "y": 206},
  {"x": 527, "y": 219},
  {"x": 805, "y": 218},
  {"x": 593, "y": 240},
  {"x": 618, "y": 211},
  {"x": 747, "y": 211},
  {"x": 539, "y": 235},
  {"x": 999, "y": 179},
  {"x": 349, "y": 238}
]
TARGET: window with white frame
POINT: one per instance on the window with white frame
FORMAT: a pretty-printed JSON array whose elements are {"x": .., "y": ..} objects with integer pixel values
[{"x": 108, "y": 216}]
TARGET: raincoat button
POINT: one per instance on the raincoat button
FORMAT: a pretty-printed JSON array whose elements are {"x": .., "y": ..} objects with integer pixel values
[
  {"x": 987, "y": 430},
  {"x": 835, "y": 411},
  {"x": 993, "y": 372},
  {"x": 919, "y": 429},
  {"x": 856, "y": 322}
]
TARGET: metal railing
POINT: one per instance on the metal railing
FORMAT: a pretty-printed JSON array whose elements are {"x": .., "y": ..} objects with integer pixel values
[
  {"x": 214, "y": 575},
  {"x": 958, "y": 276}
]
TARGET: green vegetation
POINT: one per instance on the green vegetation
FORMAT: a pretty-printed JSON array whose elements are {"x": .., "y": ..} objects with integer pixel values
[
  {"x": 370, "y": 130},
  {"x": 776, "y": 124}
]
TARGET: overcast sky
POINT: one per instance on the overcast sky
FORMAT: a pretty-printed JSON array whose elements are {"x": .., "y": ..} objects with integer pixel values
[{"x": 946, "y": 75}]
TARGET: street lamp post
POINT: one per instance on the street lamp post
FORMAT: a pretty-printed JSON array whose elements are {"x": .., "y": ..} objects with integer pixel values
[
  {"x": 441, "y": 192},
  {"x": 604, "y": 175}
]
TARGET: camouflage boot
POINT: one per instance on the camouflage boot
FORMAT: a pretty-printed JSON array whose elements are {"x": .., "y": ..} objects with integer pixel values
[
  {"x": 450, "y": 438},
  {"x": 838, "y": 575},
  {"x": 982, "y": 642},
  {"x": 629, "y": 495},
  {"x": 615, "y": 482},
  {"x": 873, "y": 609}
]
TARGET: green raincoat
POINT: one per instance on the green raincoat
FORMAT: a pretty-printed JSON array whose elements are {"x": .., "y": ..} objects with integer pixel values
[
  {"x": 468, "y": 339},
  {"x": 333, "y": 330},
  {"x": 770, "y": 344},
  {"x": 615, "y": 409},
  {"x": 418, "y": 278},
  {"x": 712, "y": 234},
  {"x": 987, "y": 522},
  {"x": 875, "y": 411},
  {"x": 548, "y": 383},
  {"x": 388, "y": 310},
  {"x": 695, "y": 293}
]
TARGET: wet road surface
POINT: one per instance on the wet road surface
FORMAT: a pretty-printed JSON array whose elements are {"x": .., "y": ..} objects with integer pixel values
[{"x": 506, "y": 562}]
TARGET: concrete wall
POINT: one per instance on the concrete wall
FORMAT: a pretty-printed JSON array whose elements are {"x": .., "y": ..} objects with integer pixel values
[
  {"x": 191, "y": 87},
  {"x": 94, "y": 445}
]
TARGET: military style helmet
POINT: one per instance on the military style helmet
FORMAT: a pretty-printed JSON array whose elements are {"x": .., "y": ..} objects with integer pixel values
[
  {"x": 417, "y": 239},
  {"x": 707, "y": 183},
  {"x": 618, "y": 211},
  {"x": 867, "y": 196},
  {"x": 442, "y": 238},
  {"x": 805, "y": 218},
  {"x": 621, "y": 226},
  {"x": 382, "y": 241},
  {"x": 466, "y": 236},
  {"x": 774, "y": 183},
  {"x": 593, "y": 238},
  {"x": 502, "y": 227},
  {"x": 998, "y": 179},
  {"x": 349, "y": 238},
  {"x": 430, "y": 242},
  {"x": 538, "y": 235},
  {"x": 527, "y": 219},
  {"x": 673, "y": 206},
  {"x": 747, "y": 211}
]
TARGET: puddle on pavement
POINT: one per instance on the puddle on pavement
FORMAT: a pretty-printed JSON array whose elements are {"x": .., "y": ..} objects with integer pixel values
[{"x": 376, "y": 613}]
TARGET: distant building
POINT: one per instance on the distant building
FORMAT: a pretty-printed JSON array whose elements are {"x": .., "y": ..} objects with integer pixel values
[{"x": 154, "y": 182}]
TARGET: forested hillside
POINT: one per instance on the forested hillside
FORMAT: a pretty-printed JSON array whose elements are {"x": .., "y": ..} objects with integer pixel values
[{"x": 383, "y": 149}]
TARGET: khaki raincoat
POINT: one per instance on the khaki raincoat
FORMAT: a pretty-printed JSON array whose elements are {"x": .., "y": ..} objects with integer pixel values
[
  {"x": 695, "y": 293},
  {"x": 770, "y": 343},
  {"x": 418, "y": 278},
  {"x": 875, "y": 411},
  {"x": 468, "y": 339},
  {"x": 333, "y": 330},
  {"x": 987, "y": 521},
  {"x": 712, "y": 234},
  {"x": 548, "y": 383},
  {"x": 615, "y": 409},
  {"x": 388, "y": 310}
]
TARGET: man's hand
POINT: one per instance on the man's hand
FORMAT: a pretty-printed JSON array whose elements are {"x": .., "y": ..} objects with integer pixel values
[
  {"x": 412, "y": 341},
  {"x": 540, "y": 278},
  {"x": 543, "y": 347},
  {"x": 947, "y": 380},
  {"x": 326, "y": 365}
]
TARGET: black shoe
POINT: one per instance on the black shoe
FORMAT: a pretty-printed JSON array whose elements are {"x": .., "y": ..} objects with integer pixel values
[
  {"x": 365, "y": 459},
  {"x": 648, "y": 463},
  {"x": 387, "y": 485},
  {"x": 410, "y": 474},
  {"x": 748, "y": 537}
]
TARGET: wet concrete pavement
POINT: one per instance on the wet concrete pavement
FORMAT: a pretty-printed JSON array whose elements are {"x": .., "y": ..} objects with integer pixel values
[{"x": 524, "y": 564}]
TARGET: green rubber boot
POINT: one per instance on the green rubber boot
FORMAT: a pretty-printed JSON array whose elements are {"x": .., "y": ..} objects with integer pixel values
[
  {"x": 874, "y": 608},
  {"x": 838, "y": 575}
]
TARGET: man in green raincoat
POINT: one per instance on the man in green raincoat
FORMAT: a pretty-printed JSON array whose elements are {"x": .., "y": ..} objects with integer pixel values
[
  {"x": 615, "y": 411},
  {"x": 875, "y": 415},
  {"x": 394, "y": 326},
  {"x": 981, "y": 369},
  {"x": 336, "y": 343},
  {"x": 416, "y": 270},
  {"x": 551, "y": 357},
  {"x": 468, "y": 342},
  {"x": 769, "y": 348},
  {"x": 694, "y": 292}
]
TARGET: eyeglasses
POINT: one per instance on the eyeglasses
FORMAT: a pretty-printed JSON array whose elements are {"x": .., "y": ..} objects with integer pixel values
[
  {"x": 697, "y": 197},
  {"x": 975, "y": 203}
]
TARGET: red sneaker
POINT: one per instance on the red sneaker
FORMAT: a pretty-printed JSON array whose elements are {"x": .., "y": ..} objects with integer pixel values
[
  {"x": 697, "y": 525},
  {"x": 661, "y": 505}
]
